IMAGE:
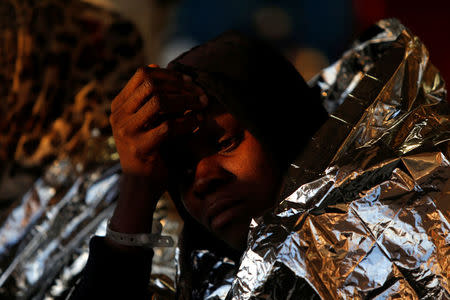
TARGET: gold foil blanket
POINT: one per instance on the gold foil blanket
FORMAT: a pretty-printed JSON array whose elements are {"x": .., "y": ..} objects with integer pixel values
[{"x": 366, "y": 208}]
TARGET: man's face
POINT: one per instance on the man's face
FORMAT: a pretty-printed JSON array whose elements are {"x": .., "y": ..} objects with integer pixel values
[{"x": 228, "y": 178}]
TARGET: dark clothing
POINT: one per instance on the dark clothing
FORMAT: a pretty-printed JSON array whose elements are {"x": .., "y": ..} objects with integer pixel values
[{"x": 113, "y": 274}]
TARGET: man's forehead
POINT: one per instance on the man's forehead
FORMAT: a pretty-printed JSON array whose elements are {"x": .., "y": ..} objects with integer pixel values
[
  {"x": 214, "y": 108},
  {"x": 214, "y": 124},
  {"x": 213, "y": 118}
]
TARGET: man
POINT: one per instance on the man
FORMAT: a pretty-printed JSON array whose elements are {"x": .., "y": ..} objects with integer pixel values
[{"x": 211, "y": 129}]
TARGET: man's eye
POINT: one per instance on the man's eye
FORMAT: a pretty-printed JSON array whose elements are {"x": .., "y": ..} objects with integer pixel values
[{"x": 230, "y": 144}]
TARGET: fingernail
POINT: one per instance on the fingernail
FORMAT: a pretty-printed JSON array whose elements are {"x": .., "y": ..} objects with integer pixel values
[
  {"x": 196, "y": 129},
  {"x": 188, "y": 112},
  {"x": 187, "y": 78},
  {"x": 204, "y": 100}
]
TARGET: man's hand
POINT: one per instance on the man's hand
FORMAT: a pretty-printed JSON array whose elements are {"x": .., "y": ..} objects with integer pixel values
[{"x": 155, "y": 106}]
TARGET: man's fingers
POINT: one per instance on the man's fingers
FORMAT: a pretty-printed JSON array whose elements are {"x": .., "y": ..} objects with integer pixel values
[
  {"x": 169, "y": 78},
  {"x": 164, "y": 74},
  {"x": 147, "y": 80},
  {"x": 137, "y": 99},
  {"x": 147, "y": 76},
  {"x": 136, "y": 80},
  {"x": 177, "y": 104},
  {"x": 167, "y": 130},
  {"x": 143, "y": 93},
  {"x": 159, "y": 107}
]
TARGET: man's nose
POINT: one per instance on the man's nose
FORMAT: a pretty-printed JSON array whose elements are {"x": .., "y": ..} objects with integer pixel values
[{"x": 210, "y": 175}]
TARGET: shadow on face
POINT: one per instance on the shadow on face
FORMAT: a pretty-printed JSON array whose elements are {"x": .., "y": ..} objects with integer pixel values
[{"x": 224, "y": 175}]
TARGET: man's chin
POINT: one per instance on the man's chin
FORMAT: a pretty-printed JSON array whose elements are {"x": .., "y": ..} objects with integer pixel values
[{"x": 235, "y": 234}]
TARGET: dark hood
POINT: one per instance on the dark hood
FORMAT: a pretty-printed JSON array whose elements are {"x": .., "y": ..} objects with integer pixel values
[{"x": 259, "y": 87}]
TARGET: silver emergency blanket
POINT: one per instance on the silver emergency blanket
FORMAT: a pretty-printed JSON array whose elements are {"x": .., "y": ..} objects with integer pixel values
[
  {"x": 365, "y": 211},
  {"x": 43, "y": 235},
  {"x": 44, "y": 240}
]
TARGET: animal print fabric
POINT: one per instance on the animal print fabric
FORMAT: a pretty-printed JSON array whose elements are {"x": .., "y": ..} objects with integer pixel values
[{"x": 62, "y": 62}]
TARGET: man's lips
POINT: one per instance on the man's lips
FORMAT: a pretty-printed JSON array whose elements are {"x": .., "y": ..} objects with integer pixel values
[{"x": 222, "y": 208}]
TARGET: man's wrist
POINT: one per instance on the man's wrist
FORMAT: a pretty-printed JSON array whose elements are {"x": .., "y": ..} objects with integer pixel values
[{"x": 136, "y": 204}]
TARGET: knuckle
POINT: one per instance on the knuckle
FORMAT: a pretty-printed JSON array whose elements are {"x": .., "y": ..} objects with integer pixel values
[
  {"x": 113, "y": 105},
  {"x": 112, "y": 119},
  {"x": 116, "y": 102},
  {"x": 165, "y": 128},
  {"x": 148, "y": 84},
  {"x": 156, "y": 102},
  {"x": 121, "y": 132},
  {"x": 141, "y": 71},
  {"x": 134, "y": 151}
]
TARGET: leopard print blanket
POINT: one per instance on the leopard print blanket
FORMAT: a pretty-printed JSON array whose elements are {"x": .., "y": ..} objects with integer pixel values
[{"x": 62, "y": 62}]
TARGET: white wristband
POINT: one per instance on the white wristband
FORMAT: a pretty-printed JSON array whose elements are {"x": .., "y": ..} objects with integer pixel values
[{"x": 155, "y": 239}]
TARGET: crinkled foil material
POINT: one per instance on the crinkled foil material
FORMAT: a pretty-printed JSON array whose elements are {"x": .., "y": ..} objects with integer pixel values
[
  {"x": 365, "y": 210},
  {"x": 217, "y": 280},
  {"x": 44, "y": 239},
  {"x": 45, "y": 235}
]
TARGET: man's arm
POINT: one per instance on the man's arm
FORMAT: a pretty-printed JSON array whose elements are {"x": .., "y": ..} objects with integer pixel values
[{"x": 112, "y": 273}]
